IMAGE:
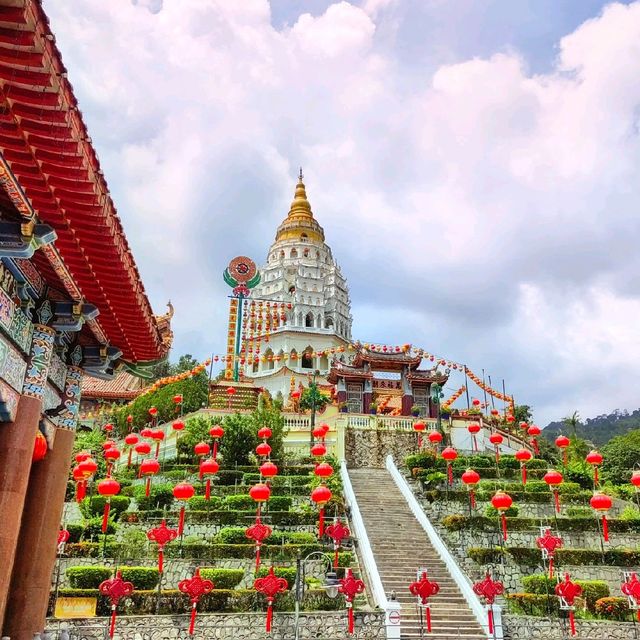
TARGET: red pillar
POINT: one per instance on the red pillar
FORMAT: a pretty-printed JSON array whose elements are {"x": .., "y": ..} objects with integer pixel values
[
  {"x": 29, "y": 593},
  {"x": 16, "y": 450}
]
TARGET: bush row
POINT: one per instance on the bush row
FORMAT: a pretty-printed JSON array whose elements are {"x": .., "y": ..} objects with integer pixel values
[
  {"x": 90, "y": 577},
  {"x": 530, "y": 497},
  {"x": 224, "y": 517},
  {"x": 457, "y": 522},
  {"x": 592, "y": 590},
  {"x": 572, "y": 557},
  {"x": 428, "y": 460}
]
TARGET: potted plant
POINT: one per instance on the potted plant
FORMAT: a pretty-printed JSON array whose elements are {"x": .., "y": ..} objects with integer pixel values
[
  {"x": 373, "y": 408},
  {"x": 415, "y": 410},
  {"x": 342, "y": 407}
]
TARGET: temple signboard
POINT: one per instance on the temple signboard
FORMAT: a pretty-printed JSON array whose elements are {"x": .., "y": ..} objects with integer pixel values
[{"x": 76, "y": 607}]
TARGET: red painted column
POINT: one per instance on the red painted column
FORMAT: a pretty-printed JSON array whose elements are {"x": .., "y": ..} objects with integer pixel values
[
  {"x": 16, "y": 450},
  {"x": 29, "y": 593}
]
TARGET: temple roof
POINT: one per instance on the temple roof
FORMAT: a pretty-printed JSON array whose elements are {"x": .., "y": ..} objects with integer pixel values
[
  {"x": 385, "y": 361},
  {"x": 124, "y": 386},
  {"x": 52, "y": 162},
  {"x": 342, "y": 370},
  {"x": 300, "y": 222}
]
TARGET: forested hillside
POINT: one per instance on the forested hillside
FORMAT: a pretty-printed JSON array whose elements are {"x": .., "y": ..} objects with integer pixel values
[{"x": 600, "y": 429}]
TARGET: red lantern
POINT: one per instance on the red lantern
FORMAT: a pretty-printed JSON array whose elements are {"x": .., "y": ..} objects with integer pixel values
[
  {"x": 523, "y": 456},
  {"x": 474, "y": 428},
  {"x": 111, "y": 455},
  {"x": 115, "y": 589},
  {"x": 323, "y": 470},
  {"x": 470, "y": 478},
  {"x": 502, "y": 502},
  {"x": 601, "y": 503},
  {"x": 321, "y": 495},
  {"x": 337, "y": 532},
  {"x": 594, "y": 458},
  {"x": 108, "y": 427},
  {"x": 107, "y": 444},
  {"x": 423, "y": 589},
  {"x": 569, "y": 591},
  {"x": 496, "y": 440},
  {"x": 495, "y": 412},
  {"x": 264, "y": 433},
  {"x": 435, "y": 437},
  {"x": 635, "y": 479},
  {"x": 108, "y": 488},
  {"x": 153, "y": 412},
  {"x": 562, "y": 442},
  {"x": 318, "y": 450},
  {"x": 534, "y": 431},
  {"x": 270, "y": 586},
  {"x": 143, "y": 448},
  {"x": 318, "y": 432},
  {"x": 82, "y": 455},
  {"x": 548, "y": 544},
  {"x": 162, "y": 535},
  {"x": 148, "y": 468},
  {"x": 177, "y": 425},
  {"x": 177, "y": 399},
  {"x": 208, "y": 467},
  {"x": 449, "y": 454},
  {"x": 195, "y": 588},
  {"x": 524, "y": 425},
  {"x": 475, "y": 402},
  {"x": 147, "y": 433},
  {"x": 130, "y": 439},
  {"x": 183, "y": 491},
  {"x": 419, "y": 426},
  {"x": 129, "y": 419},
  {"x": 350, "y": 587},
  {"x": 260, "y": 493},
  {"x": 489, "y": 589},
  {"x": 231, "y": 391},
  {"x": 325, "y": 429},
  {"x": 554, "y": 479},
  {"x": 202, "y": 449},
  {"x": 216, "y": 432},
  {"x": 263, "y": 449},
  {"x": 39, "y": 448},
  {"x": 258, "y": 532},
  {"x": 268, "y": 469}
]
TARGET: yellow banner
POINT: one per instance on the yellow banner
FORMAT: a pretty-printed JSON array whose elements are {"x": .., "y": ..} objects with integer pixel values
[{"x": 76, "y": 607}]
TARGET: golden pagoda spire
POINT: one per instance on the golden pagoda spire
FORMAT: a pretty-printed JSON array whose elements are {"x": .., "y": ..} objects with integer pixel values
[{"x": 300, "y": 223}]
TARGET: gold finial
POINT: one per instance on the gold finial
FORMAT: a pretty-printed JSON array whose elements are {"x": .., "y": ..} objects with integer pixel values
[
  {"x": 300, "y": 204},
  {"x": 300, "y": 175}
]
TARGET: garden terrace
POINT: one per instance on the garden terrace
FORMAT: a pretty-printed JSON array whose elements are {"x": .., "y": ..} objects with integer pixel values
[{"x": 475, "y": 535}]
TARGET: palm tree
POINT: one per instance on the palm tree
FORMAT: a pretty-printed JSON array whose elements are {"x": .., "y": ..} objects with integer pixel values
[{"x": 573, "y": 421}]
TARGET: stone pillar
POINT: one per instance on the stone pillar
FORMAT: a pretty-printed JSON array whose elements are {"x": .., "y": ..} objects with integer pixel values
[
  {"x": 16, "y": 450},
  {"x": 34, "y": 564}
]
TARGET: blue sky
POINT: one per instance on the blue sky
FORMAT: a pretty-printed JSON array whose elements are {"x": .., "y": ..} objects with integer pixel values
[{"x": 474, "y": 165}]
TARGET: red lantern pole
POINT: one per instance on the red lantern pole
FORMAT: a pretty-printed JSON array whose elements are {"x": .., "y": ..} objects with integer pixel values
[
  {"x": 183, "y": 491},
  {"x": 523, "y": 456},
  {"x": 195, "y": 588},
  {"x": 631, "y": 589},
  {"x": 216, "y": 432},
  {"x": 115, "y": 589},
  {"x": 161, "y": 536},
  {"x": 496, "y": 439},
  {"x": 601, "y": 503},
  {"x": 568, "y": 591},
  {"x": 489, "y": 589},
  {"x": 270, "y": 586},
  {"x": 449, "y": 454},
  {"x": 350, "y": 587},
  {"x": 258, "y": 532},
  {"x": 554, "y": 479},
  {"x": 594, "y": 458},
  {"x": 423, "y": 589},
  {"x": 419, "y": 426},
  {"x": 501, "y": 502},
  {"x": 107, "y": 487},
  {"x": 548, "y": 544},
  {"x": 337, "y": 532},
  {"x": 470, "y": 478},
  {"x": 562, "y": 442}
]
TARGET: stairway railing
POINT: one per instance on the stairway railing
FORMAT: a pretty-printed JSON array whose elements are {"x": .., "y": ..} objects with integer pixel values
[
  {"x": 478, "y": 609},
  {"x": 390, "y": 607}
]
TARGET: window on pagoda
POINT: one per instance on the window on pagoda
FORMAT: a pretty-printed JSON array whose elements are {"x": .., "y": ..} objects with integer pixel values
[
  {"x": 354, "y": 397},
  {"x": 328, "y": 323},
  {"x": 293, "y": 254},
  {"x": 305, "y": 253},
  {"x": 308, "y": 321},
  {"x": 307, "y": 360},
  {"x": 270, "y": 364},
  {"x": 421, "y": 399}
]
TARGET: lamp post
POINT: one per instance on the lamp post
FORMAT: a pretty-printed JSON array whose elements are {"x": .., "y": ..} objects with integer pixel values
[
  {"x": 436, "y": 396},
  {"x": 313, "y": 387},
  {"x": 330, "y": 585}
]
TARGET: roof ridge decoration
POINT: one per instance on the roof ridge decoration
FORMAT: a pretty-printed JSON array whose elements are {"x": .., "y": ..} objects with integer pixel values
[{"x": 300, "y": 223}]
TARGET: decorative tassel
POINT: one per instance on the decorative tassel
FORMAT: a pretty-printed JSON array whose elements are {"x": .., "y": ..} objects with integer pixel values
[
  {"x": 497, "y": 454},
  {"x": 181, "y": 521},
  {"x": 192, "y": 624},
  {"x": 215, "y": 448},
  {"x": 550, "y": 567},
  {"x": 157, "y": 449},
  {"x": 350, "y": 616},
  {"x": 605, "y": 529},
  {"x": 595, "y": 476},
  {"x": 536, "y": 448},
  {"x": 105, "y": 515},
  {"x": 419, "y": 442},
  {"x": 321, "y": 523},
  {"x": 564, "y": 457},
  {"x": 523, "y": 469},
  {"x": 556, "y": 499},
  {"x": 257, "y": 557},
  {"x": 490, "y": 620},
  {"x": 503, "y": 518},
  {"x": 112, "y": 627},
  {"x": 450, "y": 473},
  {"x": 207, "y": 490},
  {"x": 147, "y": 487},
  {"x": 269, "y": 615},
  {"x": 428, "y": 612},
  {"x": 472, "y": 498},
  {"x": 129, "y": 459},
  {"x": 160, "y": 560},
  {"x": 475, "y": 443},
  {"x": 81, "y": 490},
  {"x": 336, "y": 559},
  {"x": 572, "y": 623}
]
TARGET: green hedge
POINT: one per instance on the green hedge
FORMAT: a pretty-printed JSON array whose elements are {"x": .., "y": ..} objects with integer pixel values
[
  {"x": 93, "y": 527},
  {"x": 526, "y": 497},
  {"x": 530, "y": 604},
  {"x": 288, "y": 573},
  {"x": 200, "y": 503},
  {"x": 236, "y": 535},
  {"x": 223, "y": 517},
  {"x": 161, "y": 495},
  {"x": 87, "y": 577},
  {"x": 280, "y": 480},
  {"x": 478, "y": 462},
  {"x": 592, "y": 590},
  {"x": 572, "y": 557},
  {"x": 223, "y": 578},
  {"x": 613, "y": 608},
  {"x": 457, "y": 522},
  {"x": 172, "y": 602},
  {"x": 75, "y": 530},
  {"x": 94, "y": 506}
]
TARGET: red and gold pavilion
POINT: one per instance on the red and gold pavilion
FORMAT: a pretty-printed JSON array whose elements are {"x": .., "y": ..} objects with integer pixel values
[
  {"x": 392, "y": 376},
  {"x": 71, "y": 302}
]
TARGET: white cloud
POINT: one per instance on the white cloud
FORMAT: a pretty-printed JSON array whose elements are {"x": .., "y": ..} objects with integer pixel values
[{"x": 485, "y": 210}]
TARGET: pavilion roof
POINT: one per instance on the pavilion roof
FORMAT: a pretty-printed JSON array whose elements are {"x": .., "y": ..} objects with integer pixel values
[
  {"x": 124, "y": 386},
  {"x": 47, "y": 148},
  {"x": 386, "y": 360}
]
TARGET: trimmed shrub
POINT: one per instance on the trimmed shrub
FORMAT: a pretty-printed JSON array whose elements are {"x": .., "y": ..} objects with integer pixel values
[
  {"x": 578, "y": 512},
  {"x": 95, "y": 506},
  {"x": 223, "y": 578},
  {"x": 491, "y": 512},
  {"x": 200, "y": 503},
  {"x": 161, "y": 496},
  {"x": 592, "y": 590},
  {"x": 486, "y": 556},
  {"x": 539, "y": 583},
  {"x": 279, "y": 503},
  {"x": 232, "y": 535},
  {"x": 75, "y": 530},
  {"x": 531, "y": 604},
  {"x": 613, "y": 608},
  {"x": 143, "y": 578},
  {"x": 87, "y": 577},
  {"x": 288, "y": 573},
  {"x": 238, "y": 502},
  {"x": 93, "y": 527}
]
